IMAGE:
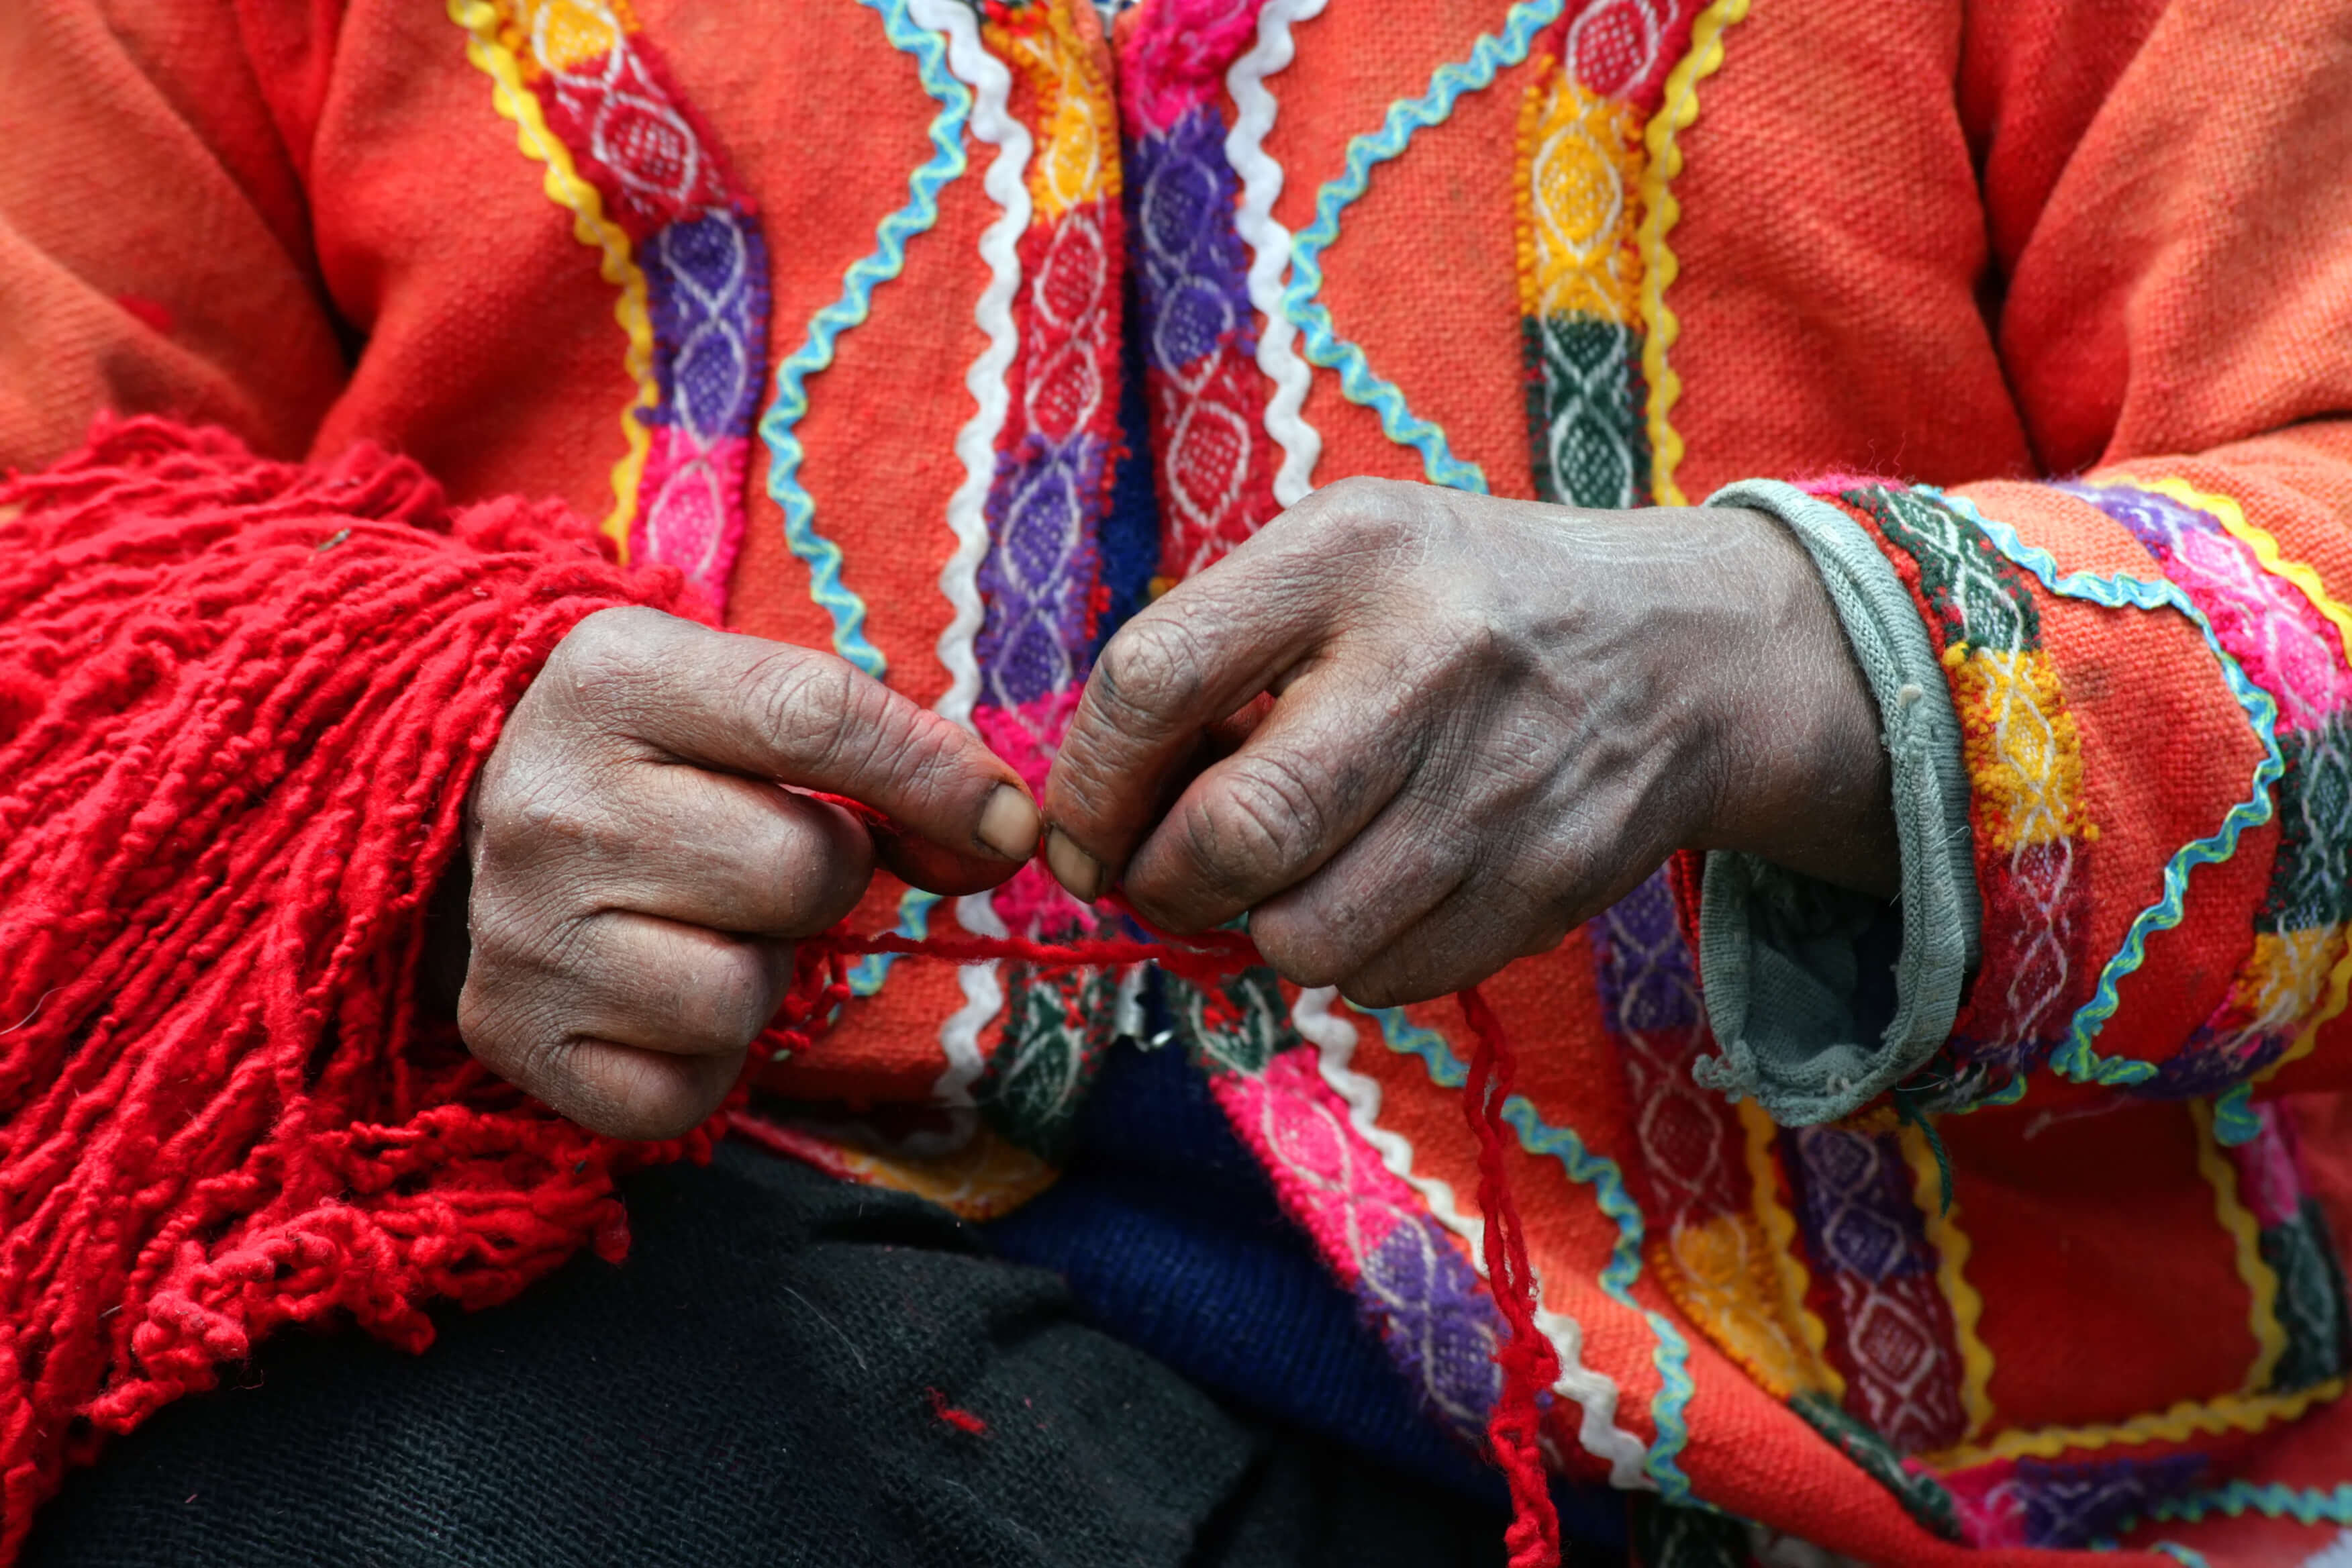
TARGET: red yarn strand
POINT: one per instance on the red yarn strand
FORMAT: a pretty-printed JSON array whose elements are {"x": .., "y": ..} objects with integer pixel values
[{"x": 1529, "y": 1365}]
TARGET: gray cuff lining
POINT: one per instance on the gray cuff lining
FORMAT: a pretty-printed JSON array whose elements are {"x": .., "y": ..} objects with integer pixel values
[{"x": 1777, "y": 948}]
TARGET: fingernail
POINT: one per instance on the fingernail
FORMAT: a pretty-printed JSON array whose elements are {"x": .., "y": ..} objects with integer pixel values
[
  {"x": 1072, "y": 866},
  {"x": 1009, "y": 823}
]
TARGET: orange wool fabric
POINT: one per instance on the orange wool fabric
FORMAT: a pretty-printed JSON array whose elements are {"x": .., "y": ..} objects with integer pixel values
[{"x": 1985, "y": 245}]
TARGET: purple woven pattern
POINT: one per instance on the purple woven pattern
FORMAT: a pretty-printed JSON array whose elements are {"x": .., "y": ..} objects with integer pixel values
[
  {"x": 1044, "y": 508},
  {"x": 1439, "y": 1325},
  {"x": 2073, "y": 1505},
  {"x": 707, "y": 290},
  {"x": 1194, "y": 285},
  {"x": 1649, "y": 980},
  {"x": 1891, "y": 1330},
  {"x": 1038, "y": 577}
]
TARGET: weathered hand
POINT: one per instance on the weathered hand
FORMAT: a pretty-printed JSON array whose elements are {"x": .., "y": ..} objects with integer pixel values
[
  {"x": 1477, "y": 723},
  {"x": 638, "y": 873}
]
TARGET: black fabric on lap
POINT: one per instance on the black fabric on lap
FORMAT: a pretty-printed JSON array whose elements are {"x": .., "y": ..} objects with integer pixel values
[{"x": 751, "y": 1387}]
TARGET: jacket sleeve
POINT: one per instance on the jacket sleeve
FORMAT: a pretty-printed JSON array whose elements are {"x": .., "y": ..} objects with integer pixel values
[
  {"x": 2148, "y": 661},
  {"x": 154, "y": 247}
]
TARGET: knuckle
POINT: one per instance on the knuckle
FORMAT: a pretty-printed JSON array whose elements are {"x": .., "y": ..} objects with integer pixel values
[
  {"x": 1304, "y": 951},
  {"x": 1353, "y": 507},
  {"x": 658, "y": 1111},
  {"x": 606, "y": 652},
  {"x": 1155, "y": 664},
  {"x": 1353, "y": 496},
  {"x": 499, "y": 1029},
  {"x": 1273, "y": 817},
  {"x": 518, "y": 935},
  {"x": 1262, "y": 822},
  {"x": 646, "y": 1095},
  {"x": 546, "y": 1063},
  {"x": 809, "y": 704},
  {"x": 727, "y": 1002},
  {"x": 479, "y": 1021},
  {"x": 822, "y": 895},
  {"x": 543, "y": 811}
]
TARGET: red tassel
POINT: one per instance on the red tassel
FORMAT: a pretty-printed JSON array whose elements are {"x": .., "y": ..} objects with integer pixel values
[
  {"x": 240, "y": 702},
  {"x": 1528, "y": 1362}
]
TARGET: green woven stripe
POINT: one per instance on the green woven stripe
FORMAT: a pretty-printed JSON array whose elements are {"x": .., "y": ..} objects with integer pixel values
[
  {"x": 1976, "y": 594},
  {"x": 1587, "y": 433}
]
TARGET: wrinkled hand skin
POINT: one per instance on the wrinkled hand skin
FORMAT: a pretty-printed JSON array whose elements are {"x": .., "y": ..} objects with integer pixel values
[
  {"x": 1415, "y": 733},
  {"x": 640, "y": 870}
]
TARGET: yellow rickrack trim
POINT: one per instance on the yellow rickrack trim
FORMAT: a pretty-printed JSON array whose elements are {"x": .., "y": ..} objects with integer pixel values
[
  {"x": 2340, "y": 991},
  {"x": 2184, "y": 1421},
  {"x": 565, "y": 187},
  {"x": 1811, "y": 1336},
  {"x": 1952, "y": 1247},
  {"x": 1660, "y": 211},
  {"x": 2265, "y": 546},
  {"x": 2261, "y": 1281},
  {"x": 2260, "y": 541},
  {"x": 2249, "y": 1411}
]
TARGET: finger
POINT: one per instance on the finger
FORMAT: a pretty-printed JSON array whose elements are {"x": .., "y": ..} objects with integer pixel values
[
  {"x": 681, "y": 989},
  {"x": 631, "y": 978},
  {"x": 1387, "y": 880},
  {"x": 703, "y": 848},
  {"x": 623, "y": 1091},
  {"x": 1333, "y": 754},
  {"x": 1181, "y": 669},
  {"x": 627, "y": 1023},
  {"x": 923, "y": 864},
  {"x": 798, "y": 716},
  {"x": 1472, "y": 933}
]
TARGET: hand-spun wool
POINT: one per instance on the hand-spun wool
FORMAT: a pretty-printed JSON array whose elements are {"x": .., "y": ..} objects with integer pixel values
[{"x": 240, "y": 706}]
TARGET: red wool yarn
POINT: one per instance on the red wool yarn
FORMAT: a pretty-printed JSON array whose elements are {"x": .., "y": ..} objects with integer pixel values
[
  {"x": 951, "y": 1415},
  {"x": 240, "y": 705}
]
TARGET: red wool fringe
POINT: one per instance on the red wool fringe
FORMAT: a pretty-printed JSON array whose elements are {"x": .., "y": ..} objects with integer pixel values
[{"x": 240, "y": 705}]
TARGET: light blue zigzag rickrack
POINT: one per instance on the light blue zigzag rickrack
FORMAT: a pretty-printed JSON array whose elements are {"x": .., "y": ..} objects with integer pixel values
[
  {"x": 780, "y": 426},
  {"x": 2076, "y": 1059},
  {"x": 1669, "y": 1408},
  {"x": 2234, "y": 1121},
  {"x": 2305, "y": 1505},
  {"x": 1357, "y": 383}
]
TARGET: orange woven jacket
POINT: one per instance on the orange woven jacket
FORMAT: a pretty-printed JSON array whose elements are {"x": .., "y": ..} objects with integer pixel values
[{"x": 818, "y": 312}]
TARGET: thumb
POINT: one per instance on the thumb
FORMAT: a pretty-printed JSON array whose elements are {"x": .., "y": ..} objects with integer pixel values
[{"x": 959, "y": 817}]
